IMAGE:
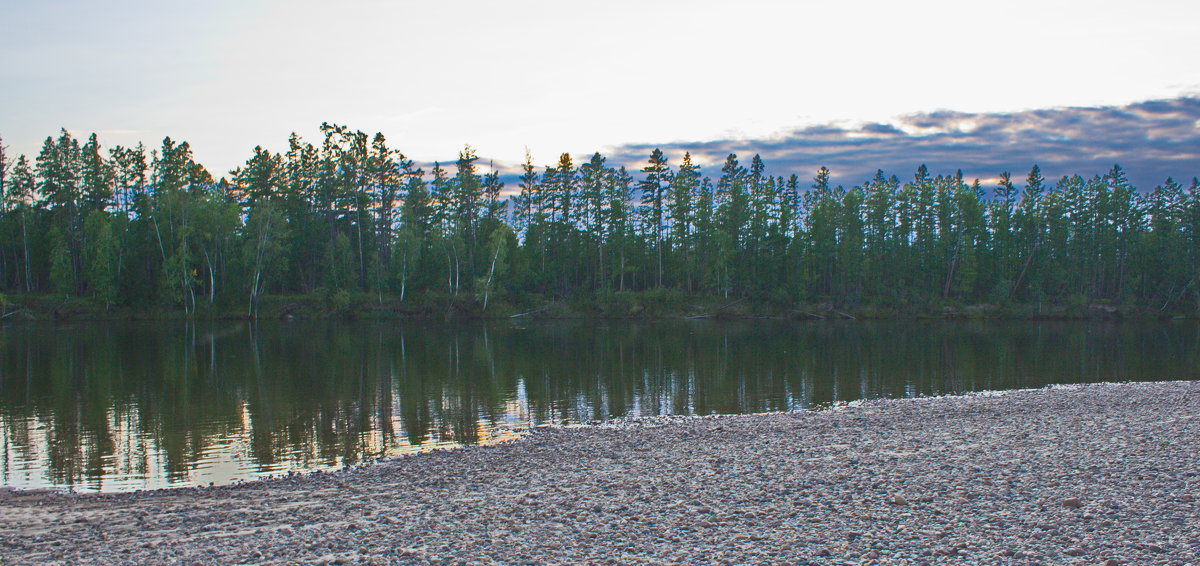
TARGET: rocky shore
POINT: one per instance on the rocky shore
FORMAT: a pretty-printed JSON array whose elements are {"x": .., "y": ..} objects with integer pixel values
[{"x": 1091, "y": 474}]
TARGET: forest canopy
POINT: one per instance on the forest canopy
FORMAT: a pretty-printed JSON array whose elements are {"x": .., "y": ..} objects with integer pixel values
[{"x": 350, "y": 214}]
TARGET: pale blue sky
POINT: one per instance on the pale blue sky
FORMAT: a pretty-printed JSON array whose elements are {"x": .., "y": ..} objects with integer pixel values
[{"x": 563, "y": 76}]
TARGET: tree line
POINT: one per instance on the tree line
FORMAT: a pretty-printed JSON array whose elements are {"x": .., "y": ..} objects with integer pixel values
[{"x": 351, "y": 215}]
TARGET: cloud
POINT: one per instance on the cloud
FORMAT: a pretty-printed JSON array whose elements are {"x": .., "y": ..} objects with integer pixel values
[{"x": 1151, "y": 140}]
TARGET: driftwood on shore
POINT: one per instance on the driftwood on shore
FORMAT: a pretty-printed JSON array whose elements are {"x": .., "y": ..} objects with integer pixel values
[{"x": 529, "y": 313}]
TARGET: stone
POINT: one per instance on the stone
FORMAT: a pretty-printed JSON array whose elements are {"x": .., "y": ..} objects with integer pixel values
[
  {"x": 1073, "y": 502},
  {"x": 899, "y": 500}
]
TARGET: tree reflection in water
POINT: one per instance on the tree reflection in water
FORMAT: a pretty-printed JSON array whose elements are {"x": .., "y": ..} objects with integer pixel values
[{"x": 134, "y": 405}]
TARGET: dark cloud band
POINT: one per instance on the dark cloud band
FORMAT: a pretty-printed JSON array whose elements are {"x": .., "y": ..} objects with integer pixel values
[{"x": 1151, "y": 140}]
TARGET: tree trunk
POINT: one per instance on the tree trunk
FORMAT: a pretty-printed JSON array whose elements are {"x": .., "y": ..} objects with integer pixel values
[
  {"x": 25, "y": 239},
  {"x": 488, "y": 285},
  {"x": 258, "y": 261},
  {"x": 953, "y": 265}
]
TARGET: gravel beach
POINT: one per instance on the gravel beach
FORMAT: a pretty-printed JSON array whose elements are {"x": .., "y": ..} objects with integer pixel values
[{"x": 1089, "y": 474}]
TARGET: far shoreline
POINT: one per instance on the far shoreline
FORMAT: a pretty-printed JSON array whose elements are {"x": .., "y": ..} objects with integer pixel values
[{"x": 648, "y": 305}]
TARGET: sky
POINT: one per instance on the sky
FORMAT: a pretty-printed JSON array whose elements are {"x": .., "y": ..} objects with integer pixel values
[
  {"x": 785, "y": 78},
  {"x": 1151, "y": 141}
]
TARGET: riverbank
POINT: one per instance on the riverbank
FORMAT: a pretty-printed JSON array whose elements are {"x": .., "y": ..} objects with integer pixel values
[
  {"x": 641, "y": 305},
  {"x": 1064, "y": 475}
]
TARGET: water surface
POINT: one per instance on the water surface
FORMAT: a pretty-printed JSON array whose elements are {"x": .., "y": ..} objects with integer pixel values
[{"x": 120, "y": 406}]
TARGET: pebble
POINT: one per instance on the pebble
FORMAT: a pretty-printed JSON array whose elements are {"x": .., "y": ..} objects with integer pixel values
[{"x": 764, "y": 489}]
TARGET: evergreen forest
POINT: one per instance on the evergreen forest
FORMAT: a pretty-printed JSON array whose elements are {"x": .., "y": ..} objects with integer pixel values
[{"x": 351, "y": 219}]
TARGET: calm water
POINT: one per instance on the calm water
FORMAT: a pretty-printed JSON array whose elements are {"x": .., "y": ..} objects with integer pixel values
[{"x": 104, "y": 406}]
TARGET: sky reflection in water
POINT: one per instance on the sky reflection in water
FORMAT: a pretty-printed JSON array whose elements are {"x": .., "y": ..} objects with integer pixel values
[{"x": 111, "y": 407}]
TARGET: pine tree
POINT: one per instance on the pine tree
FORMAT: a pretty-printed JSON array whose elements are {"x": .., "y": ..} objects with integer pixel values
[
  {"x": 879, "y": 201},
  {"x": 20, "y": 195},
  {"x": 1004, "y": 252},
  {"x": 594, "y": 178},
  {"x": 259, "y": 181},
  {"x": 96, "y": 177},
  {"x": 128, "y": 166},
  {"x": 681, "y": 214},
  {"x": 824, "y": 212},
  {"x": 384, "y": 174},
  {"x": 415, "y": 228},
  {"x": 760, "y": 206},
  {"x": 466, "y": 193},
  {"x": 618, "y": 220},
  {"x": 5, "y": 166},
  {"x": 58, "y": 169},
  {"x": 1030, "y": 224},
  {"x": 733, "y": 214},
  {"x": 100, "y": 257},
  {"x": 527, "y": 206},
  {"x": 654, "y": 189}
]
